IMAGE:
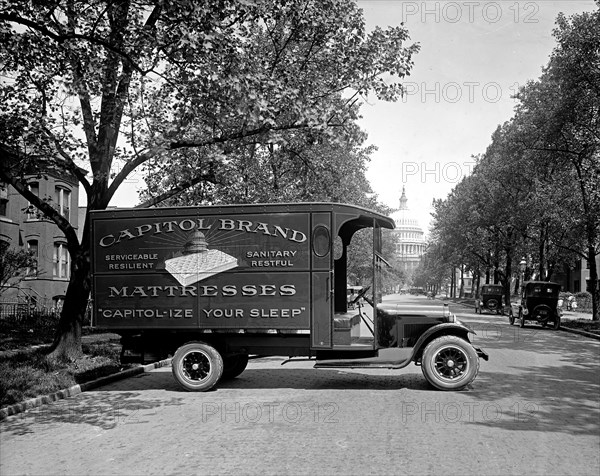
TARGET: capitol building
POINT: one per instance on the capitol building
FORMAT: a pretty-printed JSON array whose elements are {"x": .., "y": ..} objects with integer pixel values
[{"x": 410, "y": 244}]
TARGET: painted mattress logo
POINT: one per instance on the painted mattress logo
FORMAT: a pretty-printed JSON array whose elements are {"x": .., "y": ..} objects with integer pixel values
[
  {"x": 195, "y": 249},
  {"x": 198, "y": 262}
]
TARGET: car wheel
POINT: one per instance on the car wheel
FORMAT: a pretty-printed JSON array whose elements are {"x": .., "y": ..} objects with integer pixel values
[
  {"x": 511, "y": 318},
  {"x": 450, "y": 363},
  {"x": 521, "y": 318},
  {"x": 234, "y": 365},
  {"x": 556, "y": 323},
  {"x": 197, "y": 366}
]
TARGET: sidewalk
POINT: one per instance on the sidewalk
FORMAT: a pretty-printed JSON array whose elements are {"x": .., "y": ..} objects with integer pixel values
[
  {"x": 574, "y": 315},
  {"x": 570, "y": 315}
]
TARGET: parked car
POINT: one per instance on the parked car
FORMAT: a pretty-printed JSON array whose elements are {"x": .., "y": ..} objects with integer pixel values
[
  {"x": 491, "y": 298},
  {"x": 539, "y": 303}
]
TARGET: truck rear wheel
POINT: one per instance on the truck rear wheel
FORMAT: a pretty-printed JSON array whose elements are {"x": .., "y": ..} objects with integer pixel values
[
  {"x": 234, "y": 365},
  {"x": 197, "y": 366},
  {"x": 450, "y": 363}
]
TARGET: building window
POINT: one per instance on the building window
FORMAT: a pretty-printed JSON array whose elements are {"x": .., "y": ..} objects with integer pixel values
[
  {"x": 32, "y": 212},
  {"x": 3, "y": 199},
  {"x": 32, "y": 247},
  {"x": 60, "y": 267},
  {"x": 62, "y": 201}
]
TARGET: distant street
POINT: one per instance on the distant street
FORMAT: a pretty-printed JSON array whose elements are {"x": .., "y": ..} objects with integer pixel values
[{"x": 534, "y": 409}]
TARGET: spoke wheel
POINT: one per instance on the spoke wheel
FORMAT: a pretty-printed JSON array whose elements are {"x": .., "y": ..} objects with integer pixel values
[
  {"x": 197, "y": 366},
  {"x": 450, "y": 363}
]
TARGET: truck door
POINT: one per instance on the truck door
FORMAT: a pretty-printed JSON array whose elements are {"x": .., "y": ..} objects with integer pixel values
[{"x": 321, "y": 281}]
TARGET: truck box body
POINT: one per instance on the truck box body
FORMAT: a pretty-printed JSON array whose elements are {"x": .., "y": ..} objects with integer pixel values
[{"x": 244, "y": 267}]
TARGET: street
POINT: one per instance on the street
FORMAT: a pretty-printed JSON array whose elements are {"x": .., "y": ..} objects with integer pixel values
[{"x": 533, "y": 409}]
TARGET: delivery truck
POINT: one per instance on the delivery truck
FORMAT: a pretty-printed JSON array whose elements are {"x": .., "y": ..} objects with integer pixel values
[{"x": 210, "y": 286}]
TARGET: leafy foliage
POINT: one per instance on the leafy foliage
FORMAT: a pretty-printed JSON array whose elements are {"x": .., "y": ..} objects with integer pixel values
[
  {"x": 13, "y": 266},
  {"x": 217, "y": 93},
  {"x": 534, "y": 192}
]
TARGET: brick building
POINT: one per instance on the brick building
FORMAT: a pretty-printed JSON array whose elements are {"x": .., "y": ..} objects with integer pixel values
[{"x": 23, "y": 227}]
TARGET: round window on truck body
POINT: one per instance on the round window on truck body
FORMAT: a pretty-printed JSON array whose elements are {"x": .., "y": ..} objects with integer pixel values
[{"x": 321, "y": 241}]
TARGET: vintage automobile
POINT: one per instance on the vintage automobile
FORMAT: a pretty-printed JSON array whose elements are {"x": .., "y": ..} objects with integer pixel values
[
  {"x": 539, "y": 303},
  {"x": 490, "y": 299},
  {"x": 209, "y": 286},
  {"x": 352, "y": 293}
]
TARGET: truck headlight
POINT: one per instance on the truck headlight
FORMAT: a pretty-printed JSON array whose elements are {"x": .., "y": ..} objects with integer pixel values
[{"x": 451, "y": 317}]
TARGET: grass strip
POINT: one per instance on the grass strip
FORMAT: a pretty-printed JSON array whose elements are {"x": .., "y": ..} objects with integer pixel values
[{"x": 25, "y": 375}]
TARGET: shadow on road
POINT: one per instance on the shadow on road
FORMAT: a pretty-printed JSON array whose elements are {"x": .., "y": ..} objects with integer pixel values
[
  {"x": 104, "y": 410},
  {"x": 548, "y": 379}
]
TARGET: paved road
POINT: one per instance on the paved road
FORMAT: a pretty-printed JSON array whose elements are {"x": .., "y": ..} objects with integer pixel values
[{"x": 534, "y": 409}]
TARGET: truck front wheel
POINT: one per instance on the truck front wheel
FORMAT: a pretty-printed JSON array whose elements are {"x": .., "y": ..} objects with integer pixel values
[
  {"x": 197, "y": 366},
  {"x": 450, "y": 363}
]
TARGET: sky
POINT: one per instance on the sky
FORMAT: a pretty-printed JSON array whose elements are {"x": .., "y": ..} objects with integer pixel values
[{"x": 474, "y": 55}]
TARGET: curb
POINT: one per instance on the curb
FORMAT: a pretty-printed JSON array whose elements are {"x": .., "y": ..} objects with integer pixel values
[
  {"x": 79, "y": 388},
  {"x": 581, "y": 333}
]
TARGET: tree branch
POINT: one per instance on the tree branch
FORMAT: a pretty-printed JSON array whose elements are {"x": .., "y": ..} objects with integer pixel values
[{"x": 174, "y": 191}]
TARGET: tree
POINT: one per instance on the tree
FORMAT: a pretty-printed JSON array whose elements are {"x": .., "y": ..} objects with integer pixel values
[
  {"x": 13, "y": 266},
  {"x": 115, "y": 85},
  {"x": 308, "y": 166},
  {"x": 561, "y": 117}
]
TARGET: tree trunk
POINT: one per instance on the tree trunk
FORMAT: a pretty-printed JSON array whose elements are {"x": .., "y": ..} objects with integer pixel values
[
  {"x": 461, "y": 292},
  {"x": 67, "y": 340},
  {"x": 542, "y": 254},
  {"x": 508, "y": 275},
  {"x": 595, "y": 290}
]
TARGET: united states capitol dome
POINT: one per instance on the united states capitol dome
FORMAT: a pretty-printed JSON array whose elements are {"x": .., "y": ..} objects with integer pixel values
[{"x": 410, "y": 245}]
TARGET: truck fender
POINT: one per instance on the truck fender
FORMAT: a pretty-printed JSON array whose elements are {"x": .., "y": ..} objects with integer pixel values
[{"x": 447, "y": 328}]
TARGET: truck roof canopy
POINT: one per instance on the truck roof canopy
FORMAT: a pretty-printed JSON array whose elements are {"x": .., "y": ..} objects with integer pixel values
[{"x": 348, "y": 218}]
